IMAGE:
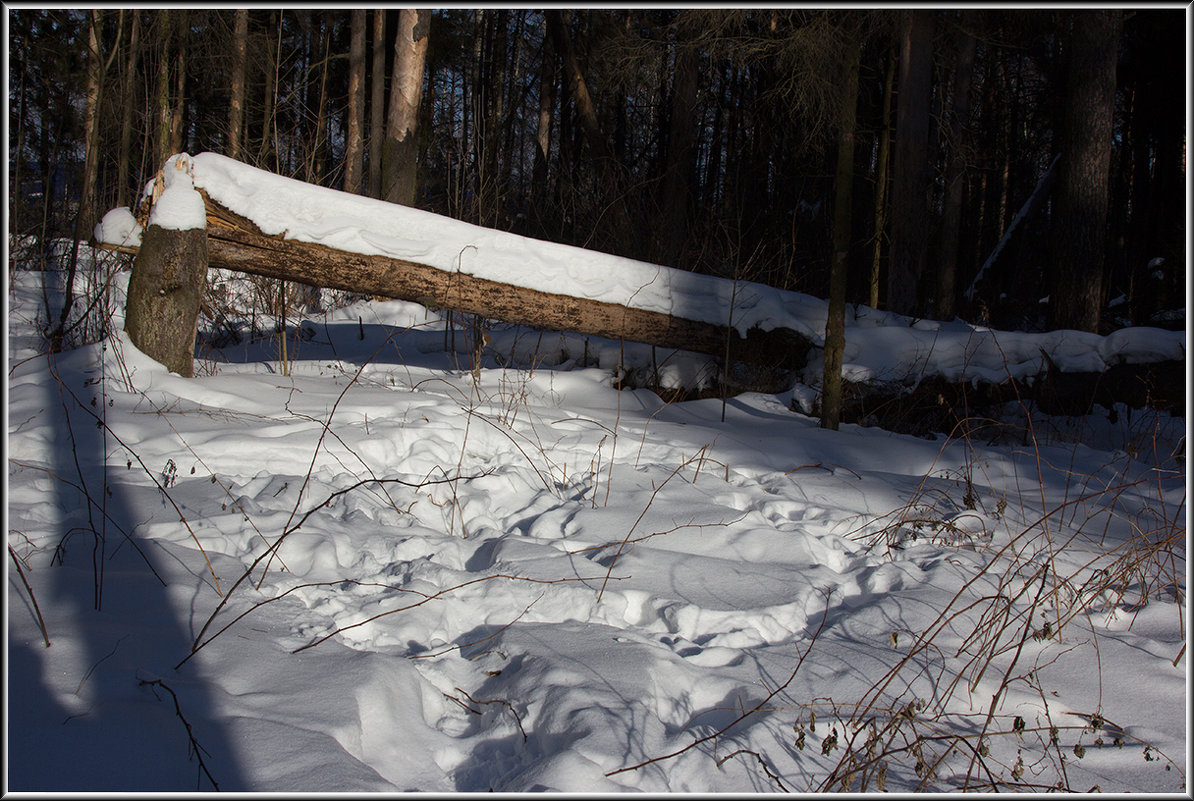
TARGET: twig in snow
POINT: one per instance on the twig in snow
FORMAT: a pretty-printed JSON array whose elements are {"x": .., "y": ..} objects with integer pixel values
[
  {"x": 763, "y": 762},
  {"x": 315, "y": 454},
  {"x": 626, "y": 540},
  {"x": 464, "y": 645},
  {"x": 503, "y": 701},
  {"x": 193, "y": 746},
  {"x": 40, "y": 621},
  {"x": 278, "y": 543}
]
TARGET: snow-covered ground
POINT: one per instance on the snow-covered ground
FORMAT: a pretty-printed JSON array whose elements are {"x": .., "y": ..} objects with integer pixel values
[{"x": 378, "y": 565}]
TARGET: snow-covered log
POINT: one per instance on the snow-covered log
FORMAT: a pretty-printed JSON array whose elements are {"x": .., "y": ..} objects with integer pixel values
[
  {"x": 263, "y": 223},
  {"x": 236, "y": 242}
]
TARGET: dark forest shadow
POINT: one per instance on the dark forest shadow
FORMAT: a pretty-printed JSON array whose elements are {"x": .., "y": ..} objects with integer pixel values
[{"x": 105, "y": 597}]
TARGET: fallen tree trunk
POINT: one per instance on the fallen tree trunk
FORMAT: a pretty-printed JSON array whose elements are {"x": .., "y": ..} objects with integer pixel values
[{"x": 236, "y": 243}]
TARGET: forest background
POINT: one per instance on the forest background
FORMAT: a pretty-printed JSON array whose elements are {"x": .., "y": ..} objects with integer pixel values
[{"x": 775, "y": 145}]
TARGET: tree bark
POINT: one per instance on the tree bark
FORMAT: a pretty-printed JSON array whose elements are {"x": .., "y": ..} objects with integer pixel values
[
  {"x": 910, "y": 182},
  {"x": 1080, "y": 215},
  {"x": 165, "y": 290},
  {"x": 400, "y": 151},
  {"x": 124, "y": 155},
  {"x": 236, "y": 104},
  {"x": 354, "y": 151},
  {"x": 547, "y": 102},
  {"x": 269, "y": 120},
  {"x": 377, "y": 102},
  {"x": 835, "y": 322},
  {"x": 95, "y": 84},
  {"x": 882, "y": 177},
  {"x": 84, "y": 218},
  {"x": 162, "y": 101},
  {"x": 182, "y": 21},
  {"x": 317, "y": 158}
]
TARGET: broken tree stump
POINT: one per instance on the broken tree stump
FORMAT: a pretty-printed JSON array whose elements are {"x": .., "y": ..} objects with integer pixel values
[{"x": 165, "y": 290}]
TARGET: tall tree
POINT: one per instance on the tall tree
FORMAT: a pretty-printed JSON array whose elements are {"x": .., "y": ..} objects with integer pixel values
[
  {"x": 910, "y": 183},
  {"x": 128, "y": 81},
  {"x": 318, "y": 154},
  {"x": 163, "y": 44},
  {"x": 548, "y": 82},
  {"x": 269, "y": 116},
  {"x": 1080, "y": 214},
  {"x": 354, "y": 150},
  {"x": 835, "y": 322},
  {"x": 236, "y": 101},
  {"x": 377, "y": 101},
  {"x": 97, "y": 67},
  {"x": 882, "y": 178},
  {"x": 182, "y": 24},
  {"x": 400, "y": 150}
]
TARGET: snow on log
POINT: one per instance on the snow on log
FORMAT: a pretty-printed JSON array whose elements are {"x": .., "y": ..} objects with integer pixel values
[
  {"x": 509, "y": 278},
  {"x": 236, "y": 243}
]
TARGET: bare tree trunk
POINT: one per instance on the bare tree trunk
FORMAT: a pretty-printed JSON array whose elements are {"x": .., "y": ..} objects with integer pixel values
[
  {"x": 183, "y": 23},
  {"x": 377, "y": 102},
  {"x": 547, "y": 102},
  {"x": 124, "y": 154},
  {"x": 400, "y": 149},
  {"x": 911, "y": 179},
  {"x": 317, "y": 164},
  {"x": 955, "y": 184},
  {"x": 269, "y": 121},
  {"x": 1080, "y": 216},
  {"x": 16, "y": 204},
  {"x": 87, "y": 196},
  {"x": 95, "y": 84},
  {"x": 835, "y": 322},
  {"x": 236, "y": 104},
  {"x": 162, "y": 101},
  {"x": 354, "y": 151},
  {"x": 882, "y": 178}
]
